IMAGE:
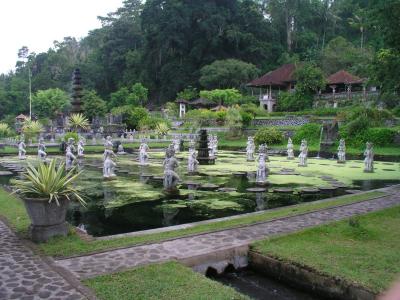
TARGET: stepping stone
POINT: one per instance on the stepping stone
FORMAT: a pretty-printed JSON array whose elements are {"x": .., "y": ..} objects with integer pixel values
[
  {"x": 326, "y": 177},
  {"x": 340, "y": 185},
  {"x": 283, "y": 190},
  {"x": 208, "y": 187},
  {"x": 353, "y": 191},
  {"x": 146, "y": 176},
  {"x": 240, "y": 174},
  {"x": 309, "y": 191},
  {"x": 327, "y": 188},
  {"x": 226, "y": 190},
  {"x": 256, "y": 190},
  {"x": 5, "y": 173},
  {"x": 355, "y": 167},
  {"x": 390, "y": 170},
  {"x": 158, "y": 178},
  {"x": 191, "y": 184}
]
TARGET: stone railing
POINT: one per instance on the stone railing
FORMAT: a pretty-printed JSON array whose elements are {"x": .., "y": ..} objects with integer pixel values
[{"x": 346, "y": 95}]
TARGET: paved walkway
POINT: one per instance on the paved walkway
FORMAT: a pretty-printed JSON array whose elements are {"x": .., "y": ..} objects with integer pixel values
[
  {"x": 24, "y": 275},
  {"x": 116, "y": 260}
]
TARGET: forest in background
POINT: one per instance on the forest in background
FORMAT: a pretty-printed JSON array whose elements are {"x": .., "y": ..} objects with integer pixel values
[{"x": 169, "y": 45}]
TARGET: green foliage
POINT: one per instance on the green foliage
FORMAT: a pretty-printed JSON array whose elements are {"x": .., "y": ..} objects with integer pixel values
[
  {"x": 223, "y": 97},
  {"x": 251, "y": 108},
  {"x": 268, "y": 136},
  {"x": 340, "y": 54},
  {"x": 229, "y": 73},
  {"x": 396, "y": 111},
  {"x": 5, "y": 130},
  {"x": 246, "y": 117},
  {"x": 47, "y": 103},
  {"x": 162, "y": 128},
  {"x": 71, "y": 134},
  {"x": 234, "y": 122},
  {"x": 150, "y": 122},
  {"x": 31, "y": 128},
  {"x": 357, "y": 133},
  {"x": 172, "y": 109},
  {"x": 49, "y": 182},
  {"x": 373, "y": 116},
  {"x": 200, "y": 117},
  {"x": 134, "y": 115},
  {"x": 386, "y": 72},
  {"x": 138, "y": 95},
  {"x": 119, "y": 98},
  {"x": 93, "y": 105},
  {"x": 288, "y": 101},
  {"x": 188, "y": 93},
  {"x": 311, "y": 132},
  {"x": 310, "y": 79},
  {"x": 78, "y": 122}
]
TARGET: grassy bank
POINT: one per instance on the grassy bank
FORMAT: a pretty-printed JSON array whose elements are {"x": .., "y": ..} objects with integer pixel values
[
  {"x": 160, "y": 281},
  {"x": 12, "y": 209},
  {"x": 364, "y": 250}
]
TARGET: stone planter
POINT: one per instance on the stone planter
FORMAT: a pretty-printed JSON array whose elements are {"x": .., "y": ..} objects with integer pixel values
[{"x": 47, "y": 219}]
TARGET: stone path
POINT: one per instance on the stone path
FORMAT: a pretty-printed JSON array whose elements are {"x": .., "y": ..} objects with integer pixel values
[
  {"x": 183, "y": 248},
  {"x": 24, "y": 275}
]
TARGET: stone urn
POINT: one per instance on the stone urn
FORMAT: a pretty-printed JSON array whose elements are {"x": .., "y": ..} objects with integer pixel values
[{"x": 47, "y": 219}]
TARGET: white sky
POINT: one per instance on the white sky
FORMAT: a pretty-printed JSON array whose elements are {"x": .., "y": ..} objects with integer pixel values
[{"x": 37, "y": 23}]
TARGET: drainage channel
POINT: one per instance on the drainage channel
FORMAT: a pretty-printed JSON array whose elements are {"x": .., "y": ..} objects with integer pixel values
[{"x": 258, "y": 286}]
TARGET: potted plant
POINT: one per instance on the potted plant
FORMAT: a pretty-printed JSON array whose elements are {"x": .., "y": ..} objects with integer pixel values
[{"x": 46, "y": 192}]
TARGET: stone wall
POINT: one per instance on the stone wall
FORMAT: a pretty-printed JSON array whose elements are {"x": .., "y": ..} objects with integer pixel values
[{"x": 284, "y": 121}]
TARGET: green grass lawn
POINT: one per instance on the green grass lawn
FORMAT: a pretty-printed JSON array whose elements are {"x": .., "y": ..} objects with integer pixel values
[
  {"x": 12, "y": 208},
  {"x": 160, "y": 281},
  {"x": 366, "y": 253}
]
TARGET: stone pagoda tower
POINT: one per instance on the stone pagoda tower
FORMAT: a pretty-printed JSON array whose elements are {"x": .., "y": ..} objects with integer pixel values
[{"x": 76, "y": 97}]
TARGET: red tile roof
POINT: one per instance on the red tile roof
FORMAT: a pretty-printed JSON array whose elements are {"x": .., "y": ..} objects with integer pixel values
[
  {"x": 280, "y": 77},
  {"x": 343, "y": 77}
]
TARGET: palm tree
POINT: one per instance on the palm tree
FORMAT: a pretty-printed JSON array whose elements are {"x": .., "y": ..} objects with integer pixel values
[
  {"x": 5, "y": 130},
  {"x": 359, "y": 21},
  {"x": 78, "y": 122}
]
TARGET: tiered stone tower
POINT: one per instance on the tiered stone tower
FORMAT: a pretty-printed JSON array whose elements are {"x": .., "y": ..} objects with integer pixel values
[
  {"x": 204, "y": 156},
  {"x": 76, "y": 99}
]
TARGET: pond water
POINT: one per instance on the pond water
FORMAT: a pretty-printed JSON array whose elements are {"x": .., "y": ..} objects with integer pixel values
[
  {"x": 259, "y": 287},
  {"x": 135, "y": 200}
]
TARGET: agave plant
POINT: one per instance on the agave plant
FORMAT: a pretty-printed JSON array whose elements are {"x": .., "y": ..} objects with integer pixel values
[
  {"x": 78, "y": 121},
  {"x": 50, "y": 183},
  {"x": 162, "y": 128},
  {"x": 5, "y": 130}
]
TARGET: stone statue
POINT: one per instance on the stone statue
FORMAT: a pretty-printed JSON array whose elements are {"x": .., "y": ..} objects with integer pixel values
[
  {"x": 250, "y": 148},
  {"x": 121, "y": 150},
  {"x": 42, "y": 150},
  {"x": 176, "y": 143},
  {"x": 261, "y": 175},
  {"x": 341, "y": 152},
  {"x": 108, "y": 143},
  {"x": 70, "y": 144},
  {"x": 69, "y": 158},
  {"x": 290, "y": 153},
  {"x": 369, "y": 158},
  {"x": 303, "y": 154},
  {"x": 170, "y": 163},
  {"x": 21, "y": 150},
  {"x": 263, "y": 148},
  {"x": 192, "y": 161},
  {"x": 192, "y": 145},
  {"x": 108, "y": 164},
  {"x": 81, "y": 149},
  {"x": 143, "y": 156}
]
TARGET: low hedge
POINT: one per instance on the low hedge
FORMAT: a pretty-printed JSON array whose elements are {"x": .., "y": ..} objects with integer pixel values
[
  {"x": 268, "y": 135},
  {"x": 379, "y": 136},
  {"x": 311, "y": 132}
]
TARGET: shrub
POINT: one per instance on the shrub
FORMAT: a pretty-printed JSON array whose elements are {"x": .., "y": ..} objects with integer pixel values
[
  {"x": 221, "y": 116},
  {"x": 246, "y": 118},
  {"x": 288, "y": 101},
  {"x": 311, "y": 132},
  {"x": 396, "y": 111},
  {"x": 71, "y": 134},
  {"x": 268, "y": 135},
  {"x": 234, "y": 122},
  {"x": 5, "y": 130},
  {"x": 200, "y": 117},
  {"x": 379, "y": 136}
]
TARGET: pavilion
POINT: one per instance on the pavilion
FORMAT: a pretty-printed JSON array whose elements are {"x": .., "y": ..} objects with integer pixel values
[{"x": 281, "y": 79}]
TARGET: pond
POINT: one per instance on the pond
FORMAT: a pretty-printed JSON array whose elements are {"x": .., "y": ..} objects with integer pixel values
[{"x": 135, "y": 200}]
